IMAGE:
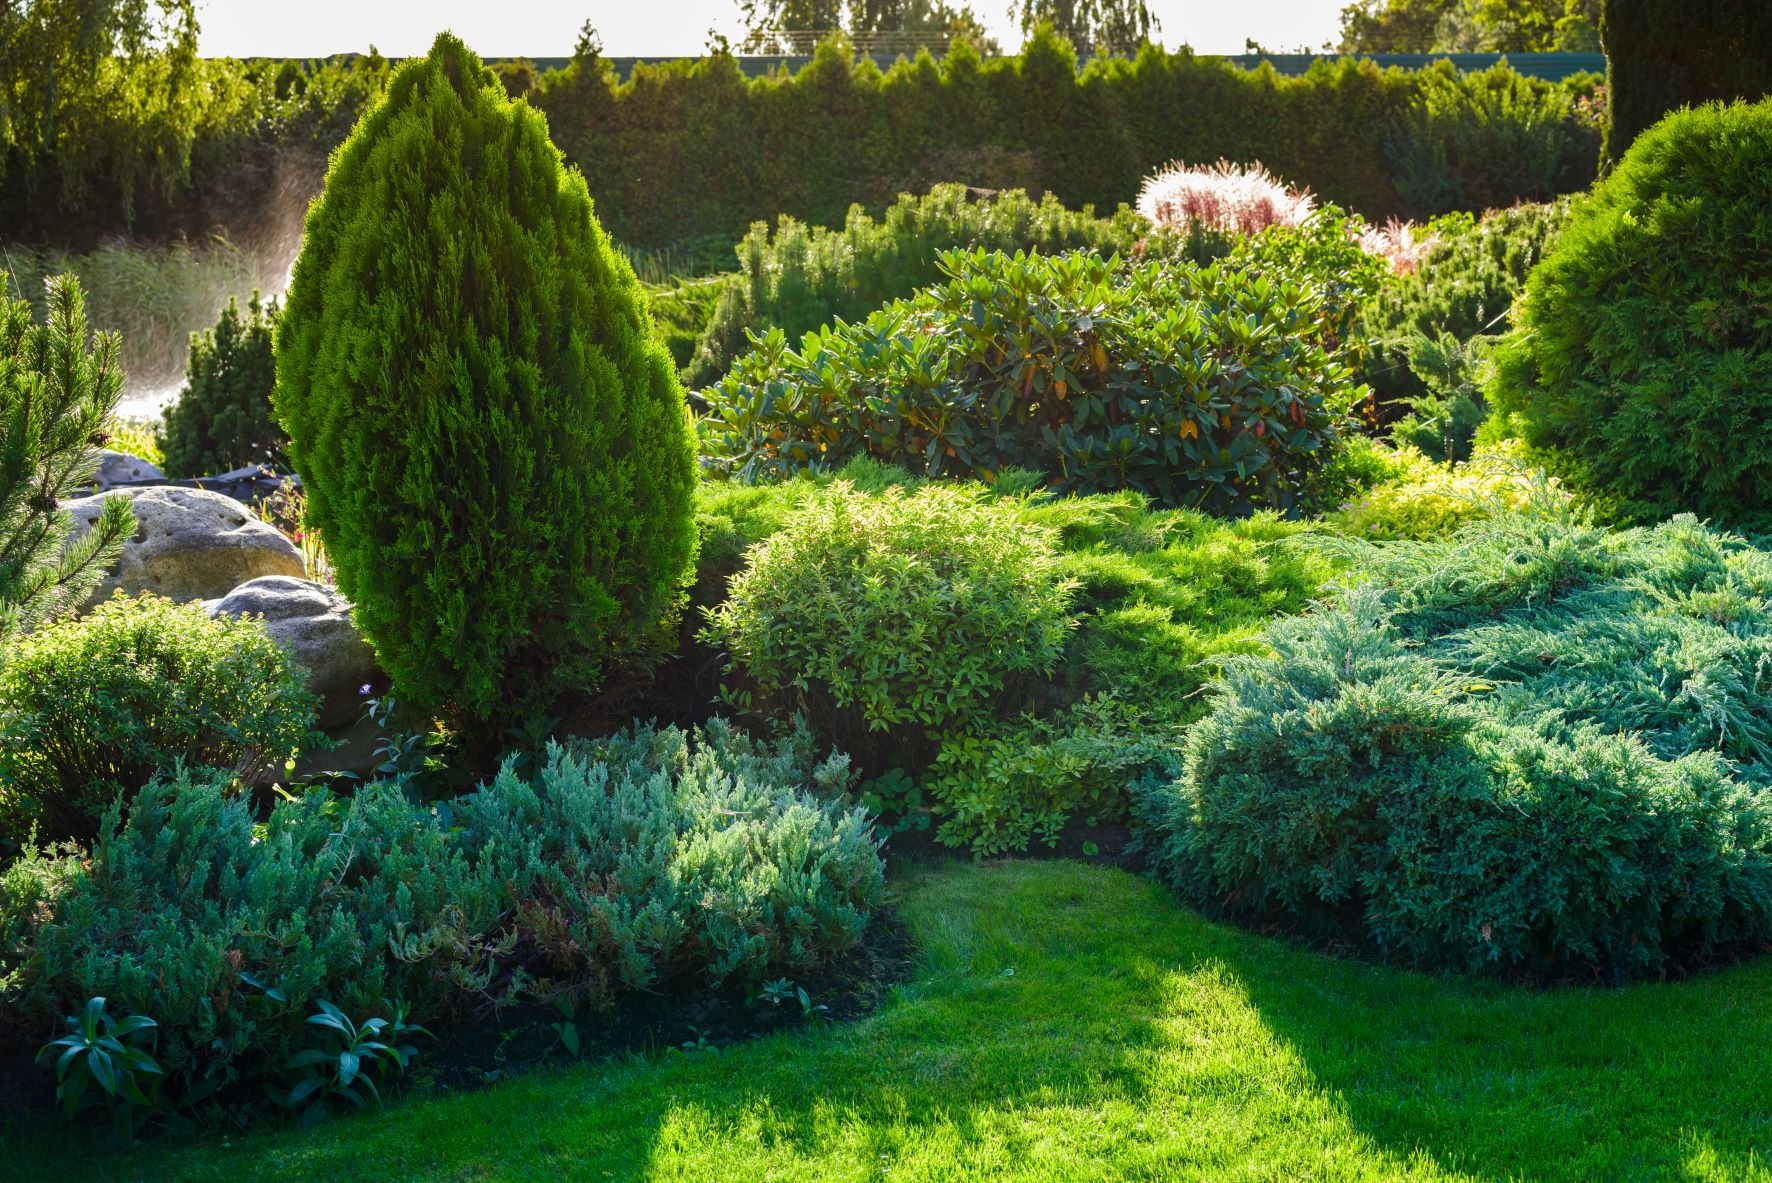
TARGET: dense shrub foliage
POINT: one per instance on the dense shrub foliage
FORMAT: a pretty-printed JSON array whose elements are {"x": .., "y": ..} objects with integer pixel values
[
  {"x": 1642, "y": 345},
  {"x": 1537, "y": 745},
  {"x": 1423, "y": 499},
  {"x": 894, "y": 612},
  {"x": 163, "y": 149},
  {"x": 1487, "y": 140},
  {"x": 647, "y": 861},
  {"x": 94, "y": 707},
  {"x": 222, "y": 419},
  {"x": 58, "y": 389},
  {"x": 1215, "y": 386},
  {"x": 1160, "y": 597},
  {"x": 493, "y": 444},
  {"x": 801, "y": 277},
  {"x": 1463, "y": 289}
]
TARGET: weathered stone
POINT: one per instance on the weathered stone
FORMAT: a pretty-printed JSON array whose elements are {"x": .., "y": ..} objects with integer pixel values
[
  {"x": 313, "y": 622},
  {"x": 189, "y": 544},
  {"x": 120, "y": 468}
]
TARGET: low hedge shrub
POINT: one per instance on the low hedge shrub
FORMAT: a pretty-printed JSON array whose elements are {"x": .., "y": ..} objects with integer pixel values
[
  {"x": 94, "y": 707},
  {"x": 1430, "y": 500},
  {"x": 1536, "y": 747},
  {"x": 1471, "y": 277},
  {"x": 1220, "y": 386}
]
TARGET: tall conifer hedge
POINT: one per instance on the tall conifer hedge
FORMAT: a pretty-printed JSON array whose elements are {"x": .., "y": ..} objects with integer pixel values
[
  {"x": 1666, "y": 54},
  {"x": 495, "y": 449}
]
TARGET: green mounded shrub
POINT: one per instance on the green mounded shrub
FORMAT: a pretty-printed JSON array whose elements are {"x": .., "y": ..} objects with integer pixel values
[
  {"x": 1537, "y": 746},
  {"x": 1010, "y": 785},
  {"x": 1642, "y": 345},
  {"x": 222, "y": 419},
  {"x": 1474, "y": 271},
  {"x": 889, "y": 617},
  {"x": 228, "y": 931},
  {"x": 805, "y": 276},
  {"x": 658, "y": 856},
  {"x": 493, "y": 444},
  {"x": 652, "y": 860},
  {"x": 1217, "y": 386},
  {"x": 94, "y": 707}
]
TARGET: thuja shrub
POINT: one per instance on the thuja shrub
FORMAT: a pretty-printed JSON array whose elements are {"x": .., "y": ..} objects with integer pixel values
[
  {"x": 885, "y": 618},
  {"x": 493, "y": 444},
  {"x": 222, "y": 419},
  {"x": 1642, "y": 345},
  {"x": 803, "y": 276},
  {"x": 653, "y": 860},
  {"x": 1218, "y": 386},
  {"x": 1535, "y": 747},
  {"x": 94, "y": 707}
]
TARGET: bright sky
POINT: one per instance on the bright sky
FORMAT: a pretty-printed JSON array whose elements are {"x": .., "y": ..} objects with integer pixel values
[{"x": 400, "y": 28}]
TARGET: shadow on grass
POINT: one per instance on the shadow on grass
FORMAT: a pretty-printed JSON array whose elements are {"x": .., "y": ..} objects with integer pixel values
[{"x": 1069, "y": 1022}]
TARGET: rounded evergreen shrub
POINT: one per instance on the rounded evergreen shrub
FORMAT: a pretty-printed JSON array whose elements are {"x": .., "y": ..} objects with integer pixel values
[
  {"x": 222, "y": 419},
  {"x": 94, "y": 707},
  {"x": 493, "y": 445},
  {"x": 1536, "y": 747},
  {"x": 1642, "y": 345},
  {"x": 895, "y": 612}
]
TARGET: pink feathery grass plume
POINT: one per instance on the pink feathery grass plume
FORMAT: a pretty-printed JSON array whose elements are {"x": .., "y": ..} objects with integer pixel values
[
  {"x": 1404, "y": 245},
  {"x": 1225, "y": 196}
]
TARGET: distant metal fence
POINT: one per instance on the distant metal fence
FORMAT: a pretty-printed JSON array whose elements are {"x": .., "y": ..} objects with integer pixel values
[{"x": 1551, "y": 67}]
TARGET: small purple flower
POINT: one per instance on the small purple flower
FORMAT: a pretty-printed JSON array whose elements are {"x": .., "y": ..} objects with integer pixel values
[{"x": 363, "y": 690}]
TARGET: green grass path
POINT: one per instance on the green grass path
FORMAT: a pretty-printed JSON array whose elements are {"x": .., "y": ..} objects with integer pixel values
[{"x": 1072, "y": 1023}]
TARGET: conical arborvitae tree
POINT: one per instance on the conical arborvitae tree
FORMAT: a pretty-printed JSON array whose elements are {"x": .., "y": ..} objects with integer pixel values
[{"x": 495, "y": 450}]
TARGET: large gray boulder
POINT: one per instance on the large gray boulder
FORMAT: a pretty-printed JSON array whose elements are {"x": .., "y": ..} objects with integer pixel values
[
  {"x": 121, "y": 468},
  {"x": 189, "y": 544},
  {"x": 313, "y": 622}
]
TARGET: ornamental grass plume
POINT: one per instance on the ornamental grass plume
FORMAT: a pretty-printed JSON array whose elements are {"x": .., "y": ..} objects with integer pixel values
[
  {"x": 1227, "y": 197},
  {"x": 1404, "y": 245}
]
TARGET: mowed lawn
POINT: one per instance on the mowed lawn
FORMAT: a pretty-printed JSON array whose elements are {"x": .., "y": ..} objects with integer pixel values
[{"x": 1066, "y": 1022}]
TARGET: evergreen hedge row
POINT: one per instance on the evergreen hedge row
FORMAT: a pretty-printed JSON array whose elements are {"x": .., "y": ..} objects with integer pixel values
[{"x": 693, "y": 147}]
